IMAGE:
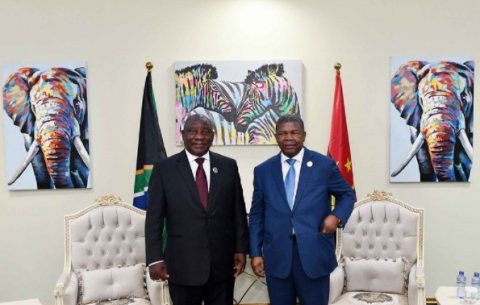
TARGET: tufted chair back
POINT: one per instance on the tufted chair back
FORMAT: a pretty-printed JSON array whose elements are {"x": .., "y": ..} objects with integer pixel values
[
  {"x": 381, "y": 229},
  {"x": 380, "y": 253},
  {"x": 105, "y": 257},
  {"x": 106, "y": 236}
]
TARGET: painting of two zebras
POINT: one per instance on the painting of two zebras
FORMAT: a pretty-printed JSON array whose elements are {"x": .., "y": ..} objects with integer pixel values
[{"x": 244, "y": 99}]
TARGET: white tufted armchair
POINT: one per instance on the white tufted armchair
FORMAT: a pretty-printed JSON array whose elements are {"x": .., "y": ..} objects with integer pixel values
[
  {"x": 380, "y": 254},
  {"x": 105, "y": 258}
]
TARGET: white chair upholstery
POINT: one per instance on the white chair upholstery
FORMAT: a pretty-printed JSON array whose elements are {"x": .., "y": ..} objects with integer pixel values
[
  {"x": 106, "y": 241},
  {"x": 249, "y": 288},
  {"x": 383, "y": 237}
]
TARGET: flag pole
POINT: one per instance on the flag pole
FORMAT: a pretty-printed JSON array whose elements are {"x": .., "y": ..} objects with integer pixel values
[
  {"x": 337, "y": 67},
  {"x": 149, "y": 66}
]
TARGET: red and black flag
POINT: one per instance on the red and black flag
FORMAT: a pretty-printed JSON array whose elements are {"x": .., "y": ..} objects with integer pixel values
[{"x": 339, "y": 145}]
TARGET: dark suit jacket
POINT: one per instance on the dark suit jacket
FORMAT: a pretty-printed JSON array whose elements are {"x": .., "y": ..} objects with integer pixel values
[
  {"x": 199, "y": 241},
  {"x": 272, "y": 220}
]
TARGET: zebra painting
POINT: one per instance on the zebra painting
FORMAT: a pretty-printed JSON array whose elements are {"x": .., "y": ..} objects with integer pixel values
[
  {"x": 262, "y": 129},
  {"x": 269, "y": 90},
  {"x": 200, "y": 91},
  {"x": 196, "y": 87}
]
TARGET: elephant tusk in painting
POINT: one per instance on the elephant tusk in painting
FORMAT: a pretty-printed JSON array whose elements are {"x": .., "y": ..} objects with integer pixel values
[
  {"x": 34, "y": 148},
  {"x": 413, "y": 151},
  {"x": 466, "y": 144},
  {"x": 82, "y": 151}
]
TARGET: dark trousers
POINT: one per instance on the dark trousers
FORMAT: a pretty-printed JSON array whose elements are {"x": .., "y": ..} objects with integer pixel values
[
  {"x": 298, "y": 284},
  {"x": 212, "y": 293}
]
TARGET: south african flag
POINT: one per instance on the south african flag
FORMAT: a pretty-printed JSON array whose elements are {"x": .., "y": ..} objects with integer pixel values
[{"x": 150, "y": 145}]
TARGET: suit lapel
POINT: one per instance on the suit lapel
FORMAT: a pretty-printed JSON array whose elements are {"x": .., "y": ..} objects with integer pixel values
[
  {"x": 215, "y": 171},
  {"x": 305, "y": 172},
  {"x": 277, "y": 175},
  {"x": 186, "y": 171}
]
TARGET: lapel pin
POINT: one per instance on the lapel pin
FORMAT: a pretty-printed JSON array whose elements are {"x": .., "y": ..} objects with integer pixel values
[
  {"x": 215, "y": 170},
  {"x": 309, "y": 163}
]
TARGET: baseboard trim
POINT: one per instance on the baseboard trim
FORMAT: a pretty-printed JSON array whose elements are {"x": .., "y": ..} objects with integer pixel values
[{"x": 429, "y": 301}]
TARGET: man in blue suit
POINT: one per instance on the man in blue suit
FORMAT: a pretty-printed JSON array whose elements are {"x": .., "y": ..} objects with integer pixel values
[{"x": 291, "y": 218}]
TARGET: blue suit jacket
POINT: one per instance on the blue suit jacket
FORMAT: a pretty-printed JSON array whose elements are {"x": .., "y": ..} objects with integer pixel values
[{"x": 272, "y": 220}]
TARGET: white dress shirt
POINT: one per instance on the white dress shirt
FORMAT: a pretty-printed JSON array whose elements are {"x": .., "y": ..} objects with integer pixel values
[
  {"x": 194, "y": 165},
  {"x": 297, "y": 165}
]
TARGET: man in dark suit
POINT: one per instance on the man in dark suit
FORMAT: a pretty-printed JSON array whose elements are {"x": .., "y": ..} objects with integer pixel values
[
  {"x": 291, "y": 218},
  {"x": 200, "y": 196}
]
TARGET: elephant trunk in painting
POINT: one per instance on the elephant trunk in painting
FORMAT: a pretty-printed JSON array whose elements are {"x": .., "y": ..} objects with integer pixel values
[
  {"x": 56, "y": 146},
  {"x": 440, "y": 127}
]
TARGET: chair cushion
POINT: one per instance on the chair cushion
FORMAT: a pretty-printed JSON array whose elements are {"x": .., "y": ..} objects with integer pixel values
[
  {"x": 132, "y": 301},
  {"x": 113, "y": 284},
  {"x": 371, "y": 298},
  {"x": 376, "y": 275}
]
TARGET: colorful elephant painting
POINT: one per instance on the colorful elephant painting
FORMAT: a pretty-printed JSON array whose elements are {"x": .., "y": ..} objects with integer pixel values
[
  {"x": 50, "y": 109},
  {"x": 436, "y": 101}
]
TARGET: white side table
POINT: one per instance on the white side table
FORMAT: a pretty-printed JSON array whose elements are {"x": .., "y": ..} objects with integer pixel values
[
  {"x": 447, "y": 295},
  {"x": 25, "y": 302}
]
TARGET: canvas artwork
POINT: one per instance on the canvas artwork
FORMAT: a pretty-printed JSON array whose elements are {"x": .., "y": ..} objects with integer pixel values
[
  {"x": 431, "y": 119},
  {"x": 46, "y": 126},
  {"x": 244, "y": 99}
]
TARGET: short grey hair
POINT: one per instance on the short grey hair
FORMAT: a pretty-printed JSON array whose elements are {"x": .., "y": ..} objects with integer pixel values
[
  {"x": 290, "y": 118},
  {"x": 189, "y": 116}
]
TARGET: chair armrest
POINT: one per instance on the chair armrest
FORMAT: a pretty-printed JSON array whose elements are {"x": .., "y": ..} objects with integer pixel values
[
  {"x": 157, "y": 291},
  {"x": 416, "y": 286},
  {"x": 337, "y": 280},
  {"x": 66, "y": 289}
]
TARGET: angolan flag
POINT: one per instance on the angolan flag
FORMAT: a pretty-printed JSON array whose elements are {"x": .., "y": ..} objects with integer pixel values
[
  {"x": 150, "y": 145},
  {"x": 339, "y": 145}
]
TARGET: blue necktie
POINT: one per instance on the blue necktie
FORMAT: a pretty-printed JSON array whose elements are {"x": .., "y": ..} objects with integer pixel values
[{"x": 290, "y": 182}]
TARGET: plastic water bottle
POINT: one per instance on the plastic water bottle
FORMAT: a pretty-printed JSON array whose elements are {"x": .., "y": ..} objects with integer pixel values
[
  {"x": 461, "y": 283},
  {"x": 476, "y": 283}
]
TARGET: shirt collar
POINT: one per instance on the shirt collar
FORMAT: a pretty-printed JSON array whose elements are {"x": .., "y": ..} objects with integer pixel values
[
  {"x": 298, "y": 157},
  {"x": 191, "y": 158}
]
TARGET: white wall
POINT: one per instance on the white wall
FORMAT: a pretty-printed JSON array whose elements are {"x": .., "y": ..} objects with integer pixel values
[{"x": 116, "y": 38}]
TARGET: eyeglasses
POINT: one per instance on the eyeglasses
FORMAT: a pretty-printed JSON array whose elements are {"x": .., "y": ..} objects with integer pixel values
[
  {"x": 284, "y": 134},
  {"x": 204, "y": 132}
]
